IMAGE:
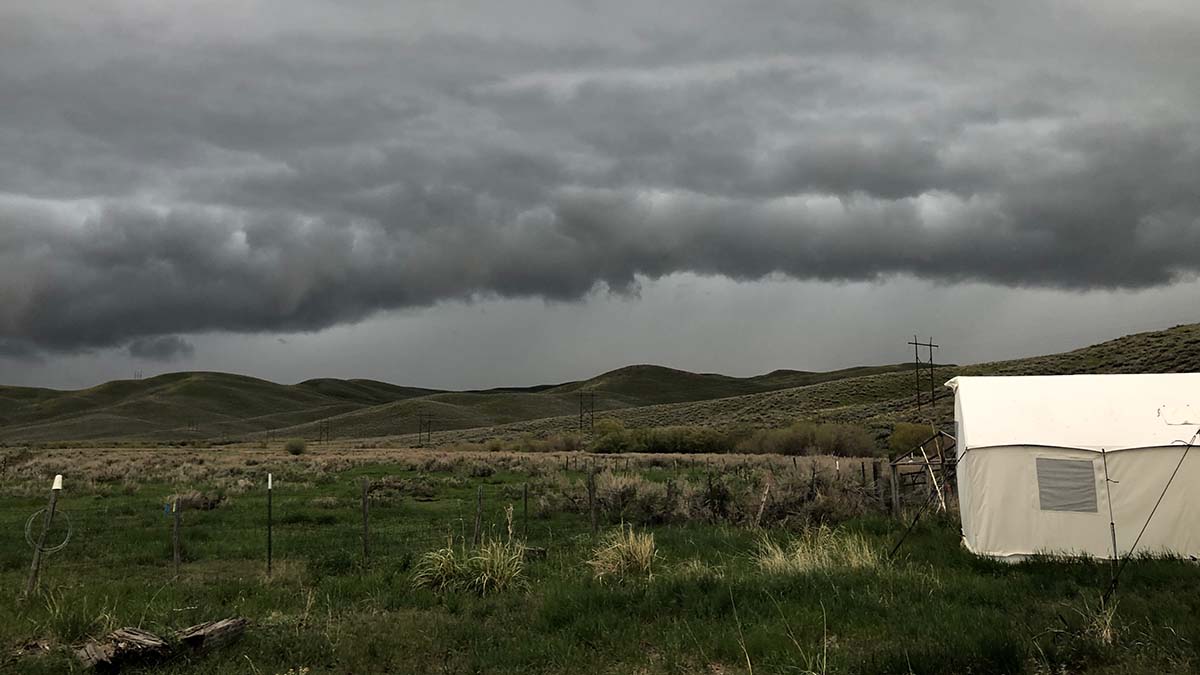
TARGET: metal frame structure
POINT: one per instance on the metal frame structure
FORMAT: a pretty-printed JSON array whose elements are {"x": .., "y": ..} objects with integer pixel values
[{"x": 931, "y": 463}]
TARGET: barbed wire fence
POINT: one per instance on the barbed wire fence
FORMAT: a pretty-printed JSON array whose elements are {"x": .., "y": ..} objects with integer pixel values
[{"x": 324, "y": 529}]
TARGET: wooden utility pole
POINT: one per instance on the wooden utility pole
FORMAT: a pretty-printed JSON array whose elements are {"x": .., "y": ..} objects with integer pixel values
[{"x": 47, "y": 519}]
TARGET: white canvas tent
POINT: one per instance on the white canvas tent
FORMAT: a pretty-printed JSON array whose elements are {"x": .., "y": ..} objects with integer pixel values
[{"x": 1031, "y": 463}]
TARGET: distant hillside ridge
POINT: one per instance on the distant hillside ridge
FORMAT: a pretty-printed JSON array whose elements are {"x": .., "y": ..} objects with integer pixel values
[
  {"x": 207, "y": 406},
  {"x": 877, "y": 400},
  {"x": 213, "y": 405}
]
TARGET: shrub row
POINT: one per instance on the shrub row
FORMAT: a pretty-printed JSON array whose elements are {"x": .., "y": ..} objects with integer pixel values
[
  {"x": 794, "y": 498},
  {"x": 801, "y": 438}
]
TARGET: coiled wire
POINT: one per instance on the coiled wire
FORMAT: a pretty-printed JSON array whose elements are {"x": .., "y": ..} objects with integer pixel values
[{"x": 46, "y": 550}]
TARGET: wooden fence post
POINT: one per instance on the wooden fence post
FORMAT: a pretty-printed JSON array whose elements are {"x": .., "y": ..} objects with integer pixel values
[
  {"x": 366, "y": 516},
  {"x": 875, "y": 481},
  {"x": 591, "y": 489},
  {"x": 895, "y": 476},
  {"x": 476, "y": 536},
  {"x": 762, "y": 505},
  {"x": 175, "y": 511},
  {"x": 47, "y": 519},
  {"x": 525, "y": 511}
]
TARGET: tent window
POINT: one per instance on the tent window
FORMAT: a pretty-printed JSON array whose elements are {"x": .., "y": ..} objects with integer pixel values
[{"x": 1066, "y": 484}]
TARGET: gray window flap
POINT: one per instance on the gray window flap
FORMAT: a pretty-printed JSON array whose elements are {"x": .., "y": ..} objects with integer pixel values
[{"x": 1066, "y": 484}]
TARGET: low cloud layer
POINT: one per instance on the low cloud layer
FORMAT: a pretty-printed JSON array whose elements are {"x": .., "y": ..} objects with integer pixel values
[
  {"x": 253, "y": 168},
  {"x": 161, "y": 348}
]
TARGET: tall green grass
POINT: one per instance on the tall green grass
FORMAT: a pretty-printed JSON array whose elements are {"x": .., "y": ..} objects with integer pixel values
[{"x": 828, "y": 602}]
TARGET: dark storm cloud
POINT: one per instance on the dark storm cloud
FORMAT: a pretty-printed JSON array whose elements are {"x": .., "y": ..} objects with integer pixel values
[
  {"x": 20, "y": 350},
  {"x": 161, "y": 348},
  {"x": 246, "y": 170}
]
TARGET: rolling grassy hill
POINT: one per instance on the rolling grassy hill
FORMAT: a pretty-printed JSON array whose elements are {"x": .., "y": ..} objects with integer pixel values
[
  {"x": 202, "y": 405},
  {"x": 181, "y": 406},
  {"x": 881, "y": 397}
]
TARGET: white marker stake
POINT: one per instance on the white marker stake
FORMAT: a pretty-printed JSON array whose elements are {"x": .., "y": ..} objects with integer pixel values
[
  {"x": 57, "y": 482},
  {"x": 269, "y": 552}
]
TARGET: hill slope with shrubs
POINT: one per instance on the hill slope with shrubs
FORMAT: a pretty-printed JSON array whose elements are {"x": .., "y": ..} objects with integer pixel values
[
  {"x": 879, "y": 400},
  {"x": 208, "y": 406}
]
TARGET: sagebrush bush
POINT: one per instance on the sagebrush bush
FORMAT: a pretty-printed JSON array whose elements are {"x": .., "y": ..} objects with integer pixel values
[
  {"x": 295, "y": 446},
  {"x": 845, "y": 440},
  {"x": 801, "y": 438},
  {"x": 681, "y": 440},
  {"x": 624, "y": 554},
  {"x": 906, "y": 436},
  {"x": 808, "y": 438},
  {"x": 479, "y": 469},
  {"x": 565, "y": 442},
  {"x": 625, "y": 498}
]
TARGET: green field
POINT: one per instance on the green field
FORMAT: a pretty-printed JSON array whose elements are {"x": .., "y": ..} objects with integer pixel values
[{"x": 710, "y": 604}]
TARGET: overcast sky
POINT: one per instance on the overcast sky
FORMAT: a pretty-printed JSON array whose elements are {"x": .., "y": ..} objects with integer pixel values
[{"x": 459, "y": 194}]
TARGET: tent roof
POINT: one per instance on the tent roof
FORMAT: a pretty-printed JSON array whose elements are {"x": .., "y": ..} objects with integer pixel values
[{"x": 1091, "y": 412}]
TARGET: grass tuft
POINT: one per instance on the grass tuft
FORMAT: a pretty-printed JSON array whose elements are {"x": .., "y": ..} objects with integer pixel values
[
  {"x": 495, "y": 567},
  {"x": 71, "y": 620},
  {"x": 624, "y": 554},
  {"x": 816, "y": 548}
]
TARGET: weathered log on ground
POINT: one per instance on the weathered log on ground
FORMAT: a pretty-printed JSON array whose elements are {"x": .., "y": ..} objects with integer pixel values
[
  {"x": 205, "y": 636},
  {"x": 124, "y": 645},
  {"x": 127, "y": 646},
  {"x": 534, "y": 553}
]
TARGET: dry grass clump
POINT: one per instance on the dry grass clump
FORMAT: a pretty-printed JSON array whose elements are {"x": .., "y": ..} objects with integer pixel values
[
  {"x": 624, "y": 554},
  {"x": 699, "y": 571},
  {"x": 1100, "y": 622},
  {"x": 816, "y": 549},
  {"x": 496, "y": 566}
]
